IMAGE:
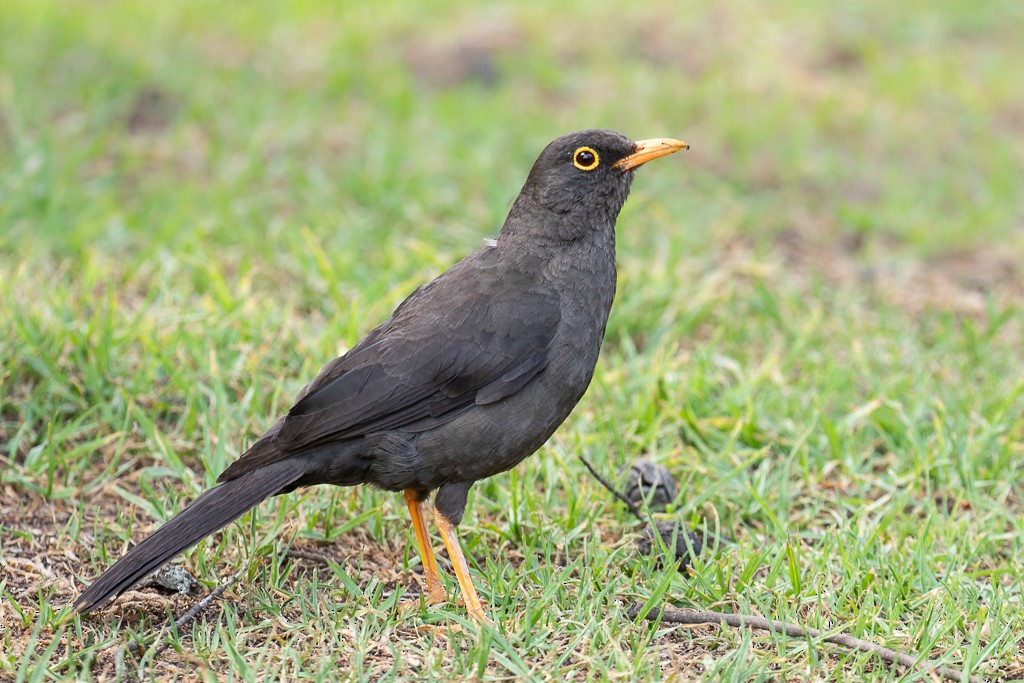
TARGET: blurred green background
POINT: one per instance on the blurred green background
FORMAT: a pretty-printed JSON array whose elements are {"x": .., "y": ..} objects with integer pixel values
[
  {"x": 128, "y": 126},
  {"x": 818, "y": 326}
]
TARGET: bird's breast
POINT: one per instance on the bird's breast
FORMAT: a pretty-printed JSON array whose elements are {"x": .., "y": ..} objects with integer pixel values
[{"x": 493, "y": 438}]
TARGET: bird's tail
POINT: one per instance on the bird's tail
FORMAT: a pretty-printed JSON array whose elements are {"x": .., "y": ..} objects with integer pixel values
[{"x": 214, "y": 509}]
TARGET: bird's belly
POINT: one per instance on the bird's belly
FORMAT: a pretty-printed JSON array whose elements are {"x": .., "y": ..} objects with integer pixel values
[{"x": 492, "y": 438}]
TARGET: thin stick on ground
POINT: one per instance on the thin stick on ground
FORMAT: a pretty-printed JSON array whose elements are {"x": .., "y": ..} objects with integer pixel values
[
  {"x": 677, "y": 616},
  {"x": 191, "y": 614},
  {"x": 312, "y": 556},
  {"x": 615, "y": 492}
]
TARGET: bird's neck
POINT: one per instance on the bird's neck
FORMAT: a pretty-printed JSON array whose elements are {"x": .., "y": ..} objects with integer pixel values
[
  {"x": 581, "y": 270},
  {"x": 541, "y": 221}
]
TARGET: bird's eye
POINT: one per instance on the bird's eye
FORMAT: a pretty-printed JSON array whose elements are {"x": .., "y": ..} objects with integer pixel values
[{"x": 585, "y": 159}]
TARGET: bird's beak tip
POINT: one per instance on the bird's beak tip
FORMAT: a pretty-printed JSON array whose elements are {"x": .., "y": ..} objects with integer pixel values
[{"x": 647, "y": 150}]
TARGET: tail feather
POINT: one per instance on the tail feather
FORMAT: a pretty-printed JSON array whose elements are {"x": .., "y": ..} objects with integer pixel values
[{"x": 211, "y": 511}]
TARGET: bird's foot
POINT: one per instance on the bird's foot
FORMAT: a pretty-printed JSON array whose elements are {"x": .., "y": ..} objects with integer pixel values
[
  {"x": 412, "y": 604},
  {"x": 477, "y": 611},
  {"x": 408, "y": 605},
  {"x": 435, "y": 591},
  {"x": 481, "y": 618}
]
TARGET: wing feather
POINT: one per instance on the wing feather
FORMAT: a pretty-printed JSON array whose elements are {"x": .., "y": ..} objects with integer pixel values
[{"x": 477, "y": 334}]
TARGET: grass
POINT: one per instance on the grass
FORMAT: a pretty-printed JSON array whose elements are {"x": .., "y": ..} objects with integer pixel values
[{"x": 818, "y": 327}]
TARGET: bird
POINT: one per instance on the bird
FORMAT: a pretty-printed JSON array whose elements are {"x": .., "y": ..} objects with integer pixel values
[{"x": 469, "y": 376}]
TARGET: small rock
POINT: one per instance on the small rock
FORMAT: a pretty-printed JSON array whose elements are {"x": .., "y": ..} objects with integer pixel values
[
  {"x": 650, "y": 483},
  {"x": 173, "y": 578},
  {"x": 668, "y": 528}
]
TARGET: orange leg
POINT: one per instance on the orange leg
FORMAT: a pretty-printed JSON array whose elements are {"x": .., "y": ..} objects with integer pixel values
[
  {"x": 451, "y": 541},
  {"x": 435, "y": 591}
]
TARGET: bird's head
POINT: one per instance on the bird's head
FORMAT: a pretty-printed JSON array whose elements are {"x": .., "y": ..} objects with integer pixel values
[{"x": 585, "y": 178}]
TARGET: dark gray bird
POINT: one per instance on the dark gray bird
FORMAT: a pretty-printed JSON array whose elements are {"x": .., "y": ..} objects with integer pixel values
[{"x": 470, "y": 375}]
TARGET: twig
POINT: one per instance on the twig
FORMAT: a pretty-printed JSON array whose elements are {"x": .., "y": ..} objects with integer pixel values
[
  {"x": 308, "y": 555},
  {"x": 677, "y": 616},
  {"x": 203, "y": 604},
  {"x": 683, "y": 548},
  {"x": 615, "y": 492},
  {"x": 188, "y": 616}
]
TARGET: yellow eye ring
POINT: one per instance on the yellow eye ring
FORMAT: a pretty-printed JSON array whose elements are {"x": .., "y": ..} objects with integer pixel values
[{"x": 585, "y": 159}]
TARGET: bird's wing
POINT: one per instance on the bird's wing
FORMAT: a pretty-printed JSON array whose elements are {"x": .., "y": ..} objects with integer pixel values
[{"x": 471, "y": 337}]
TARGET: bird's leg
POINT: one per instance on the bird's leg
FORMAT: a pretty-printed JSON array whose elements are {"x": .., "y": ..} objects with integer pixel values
[
  {"x": 451, "y": 541},
  {"x": 435, "y": 591}
]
